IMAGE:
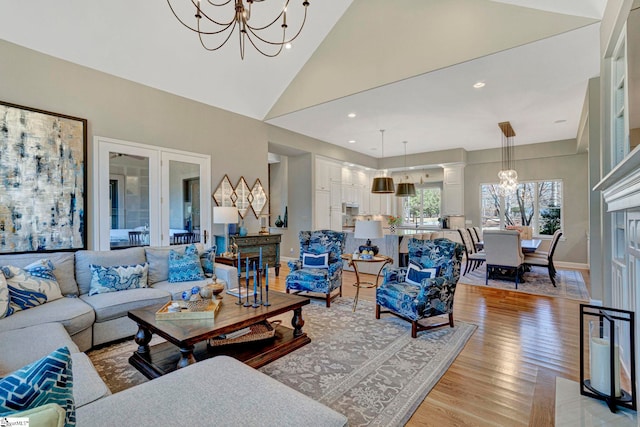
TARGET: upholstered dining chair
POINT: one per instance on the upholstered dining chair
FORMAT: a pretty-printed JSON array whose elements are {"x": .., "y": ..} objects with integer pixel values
[
  {"x": 182, "y": 238},
  {"x": 319, "y": 269},
  {"x": 474, "y": 258},
  {"x": 503, "y": 252},
  {"x": 545, "y": 259},
  {"x": 478, "y": 233},
  {"x": 426, "y": 287}
]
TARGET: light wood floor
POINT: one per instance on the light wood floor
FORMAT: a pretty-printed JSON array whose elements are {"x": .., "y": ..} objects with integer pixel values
[{"x": 505, "y": 375}]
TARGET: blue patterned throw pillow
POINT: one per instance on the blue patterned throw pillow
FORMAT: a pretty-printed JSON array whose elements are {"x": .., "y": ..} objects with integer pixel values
[
  {"x": 415, "y": 273},
  {"x": 117, "y": 278},
  {"x": 32, "y": 285},
  {"x": 186, "y": 267},
  {"x": 315, "y": 260},
  {"x": 48, "y": 380},
  {"x": 207, "y": 259}
]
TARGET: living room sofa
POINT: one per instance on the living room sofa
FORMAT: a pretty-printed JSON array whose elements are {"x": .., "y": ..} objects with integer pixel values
[{"x": 219, "y": 391}]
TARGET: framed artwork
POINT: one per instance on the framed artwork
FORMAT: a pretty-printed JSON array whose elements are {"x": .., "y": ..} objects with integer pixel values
[{"x": 42, "y": 180}]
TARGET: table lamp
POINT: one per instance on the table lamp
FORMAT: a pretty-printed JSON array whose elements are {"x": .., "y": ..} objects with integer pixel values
[
  {"x": 368, "y": 230},
  {"x": 225, "y": 215}
]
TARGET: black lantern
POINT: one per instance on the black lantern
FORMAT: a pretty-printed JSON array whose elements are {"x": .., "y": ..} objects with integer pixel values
[{"x": 609, "y": 329}]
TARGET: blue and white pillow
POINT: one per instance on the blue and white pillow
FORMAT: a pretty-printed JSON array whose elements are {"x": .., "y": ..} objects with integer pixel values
[
  {"x": 117, "y": 278},
  {"x": 207, "y": 264},
  {"x": 5, "y": 309},
  {"x": 310, "y": 260},
  {"x": 415, "y": 273},
  {"x": 32, "y": 285},
  {"x": 48, "y": 380},
  {"x": 186, "y": 267}
]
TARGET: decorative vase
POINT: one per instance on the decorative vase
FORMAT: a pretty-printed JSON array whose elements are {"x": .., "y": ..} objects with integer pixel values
[
  {"x": 392, "y": 228},
  {"x": 243, "y": 230},
  {"x": 286, "y": 216},
  {"x": 279, "y": 222}
]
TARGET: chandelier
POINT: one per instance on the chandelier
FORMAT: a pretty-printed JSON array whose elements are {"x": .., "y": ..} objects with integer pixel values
[
  {"x": 382, "y": 184},
  {"x": 405, "y": 189},
  {"x": 508, "y": 176},
  {"x": 218, "y": 31}
]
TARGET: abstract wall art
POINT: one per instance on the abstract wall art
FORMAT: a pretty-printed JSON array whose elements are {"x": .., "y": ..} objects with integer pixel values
[{"x": 42, "y": 180}]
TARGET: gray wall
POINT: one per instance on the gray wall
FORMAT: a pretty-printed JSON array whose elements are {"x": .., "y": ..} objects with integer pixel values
[
  {"x": 555, "y": 160},
  {"x": 300, "y": 202}
]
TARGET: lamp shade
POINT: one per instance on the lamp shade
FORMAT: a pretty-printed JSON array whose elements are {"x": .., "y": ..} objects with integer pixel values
[
  {"x": 225, "y": 215},
  {"x": 382, "y": 185},
  {"x": 368, "y": 230},
  {"x": 406, "y": 189}
]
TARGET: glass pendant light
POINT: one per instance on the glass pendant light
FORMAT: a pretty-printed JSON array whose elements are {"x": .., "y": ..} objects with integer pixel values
[
  {"x": 382, "y": 184},
  {"x": 405, "y": 189}
]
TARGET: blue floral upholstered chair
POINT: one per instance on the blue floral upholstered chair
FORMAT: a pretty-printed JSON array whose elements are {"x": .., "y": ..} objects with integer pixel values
[
  {"x": 426, "y": 287},
  {"x": 319, "y": 268}
]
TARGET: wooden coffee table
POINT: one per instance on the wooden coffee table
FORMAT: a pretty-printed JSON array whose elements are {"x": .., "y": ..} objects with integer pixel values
[{"x": 187, "y": 339}]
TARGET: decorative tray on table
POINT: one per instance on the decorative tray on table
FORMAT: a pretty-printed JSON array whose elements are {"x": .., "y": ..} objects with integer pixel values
[{"x": 202, "y": 309}]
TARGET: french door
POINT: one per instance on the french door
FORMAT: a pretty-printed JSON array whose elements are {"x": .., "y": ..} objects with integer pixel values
[{"x": 147, "y": 195}]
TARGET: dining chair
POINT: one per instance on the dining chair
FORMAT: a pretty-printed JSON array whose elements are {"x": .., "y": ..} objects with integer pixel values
[
  {"x": 538, "y": 259},
  {"x": 135, "y": 238},
  {"x": 503, "y": 253},
  {"x": 478, "y": 233},
  {"x": 474, "y": 258},
  {"x": 182, "y": 238}
]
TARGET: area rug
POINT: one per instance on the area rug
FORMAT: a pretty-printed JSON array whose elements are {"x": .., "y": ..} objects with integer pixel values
[
  {"x": 370, "y": 370},
  {"x": 570, "y": 283}
]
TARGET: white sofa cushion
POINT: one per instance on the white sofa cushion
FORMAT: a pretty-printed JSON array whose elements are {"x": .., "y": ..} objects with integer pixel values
[
  {"x": 73, "y": 313},
  {"x": 106, "y": 259},
  {"x": 62, "y": 261},
  {"x": 116, "y": 304}
]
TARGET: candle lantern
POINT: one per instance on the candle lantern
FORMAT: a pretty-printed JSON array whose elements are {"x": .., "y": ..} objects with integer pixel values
[{"x": 604, "y": 333}]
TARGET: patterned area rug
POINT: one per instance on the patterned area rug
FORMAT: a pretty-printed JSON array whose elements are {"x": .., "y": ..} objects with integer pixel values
[
  {"x": 370, "y": 370},
  {"x": 570, "y": 283}
]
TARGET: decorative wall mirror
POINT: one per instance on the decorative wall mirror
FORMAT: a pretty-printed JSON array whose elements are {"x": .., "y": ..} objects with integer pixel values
[
  {"x": 224, "y": 194},
  {"x": 244, "y": 197},
  {"x": 259, "y": 198}
]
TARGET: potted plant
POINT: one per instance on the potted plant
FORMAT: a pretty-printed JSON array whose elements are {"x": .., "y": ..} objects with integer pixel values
[{"x": 393, "y": 222}]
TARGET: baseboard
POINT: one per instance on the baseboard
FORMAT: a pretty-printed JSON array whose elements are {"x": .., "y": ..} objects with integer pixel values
[{"x": 572, "y": 265}]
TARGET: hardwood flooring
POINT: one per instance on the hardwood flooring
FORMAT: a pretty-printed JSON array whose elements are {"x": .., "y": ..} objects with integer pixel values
[{"x": 505, "y": 375}]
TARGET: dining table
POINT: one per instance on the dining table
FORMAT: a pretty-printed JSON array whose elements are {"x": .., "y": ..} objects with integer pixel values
[{"x": 528, "y": 245}]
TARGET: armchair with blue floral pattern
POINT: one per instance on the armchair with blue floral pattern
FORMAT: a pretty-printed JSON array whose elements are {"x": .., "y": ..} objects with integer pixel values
[
  {"x": 318, "y": 280},
  {"x": 431, "y": 296}
]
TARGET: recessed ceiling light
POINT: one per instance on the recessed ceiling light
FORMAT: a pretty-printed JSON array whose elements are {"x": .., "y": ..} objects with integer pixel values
[
  {"x": 560, "y": 121},
  {"x": 350, "y": 165},
  {"x": 411, "y": 167},
  {"x": 288, "y": 46},
  {"x": 351, "y": 115},
  {"x": 352, "y": 141},
  {"x": 478, "y": 85}
]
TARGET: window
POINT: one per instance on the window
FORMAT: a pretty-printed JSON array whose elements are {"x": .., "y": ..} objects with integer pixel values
[
  {"x": 537, "y": 204},
  {"x": 423, "y": 208}
]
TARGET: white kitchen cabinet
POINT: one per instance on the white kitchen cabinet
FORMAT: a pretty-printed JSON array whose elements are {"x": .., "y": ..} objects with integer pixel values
[
  {"x": 453, "y": 190},
  {"x": 322, "y": 212},
  {"x": 327, "y": 172},
  {"x": 336, "y": 195}
]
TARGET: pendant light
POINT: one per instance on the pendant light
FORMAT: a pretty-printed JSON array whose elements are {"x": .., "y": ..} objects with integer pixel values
[
  {"x": 508, "y": 175},
  {"x": 405, "y": 189},
  {"x": 382, "y": 184}
]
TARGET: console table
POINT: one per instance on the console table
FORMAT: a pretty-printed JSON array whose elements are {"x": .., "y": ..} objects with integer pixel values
[{"x": 249, "y": 246}]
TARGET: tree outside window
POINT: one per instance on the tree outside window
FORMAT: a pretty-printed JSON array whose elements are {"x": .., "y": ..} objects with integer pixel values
[
  {"x": 537, "y": 204},
  {"x": 423, "y": 208}
]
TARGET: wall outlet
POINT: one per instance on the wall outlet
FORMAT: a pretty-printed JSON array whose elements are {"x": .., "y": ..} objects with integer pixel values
[
  {"x": 468, "y": 222},
  {"x": 291, "y": 250}
]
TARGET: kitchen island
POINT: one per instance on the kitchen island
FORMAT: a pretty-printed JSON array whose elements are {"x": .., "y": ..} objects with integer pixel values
[{"x": 394, "y": 245}]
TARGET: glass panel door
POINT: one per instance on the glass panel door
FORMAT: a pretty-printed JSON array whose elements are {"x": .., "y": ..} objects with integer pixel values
[
  {"x": 129, "y": 200},
  {"x": 186, "y": 199}
]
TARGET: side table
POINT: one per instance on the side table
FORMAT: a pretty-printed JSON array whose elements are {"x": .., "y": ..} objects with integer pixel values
[{"x": 361, "y": 284}]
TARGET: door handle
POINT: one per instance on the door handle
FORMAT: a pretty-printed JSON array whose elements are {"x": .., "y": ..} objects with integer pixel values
[{"x": 205, "y": 237}]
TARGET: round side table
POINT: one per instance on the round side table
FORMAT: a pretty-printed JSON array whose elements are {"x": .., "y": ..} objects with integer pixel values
[{"x": 361, "y": 284}]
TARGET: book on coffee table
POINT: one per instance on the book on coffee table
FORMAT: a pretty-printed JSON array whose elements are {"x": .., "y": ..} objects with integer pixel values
[{"x": 243, "y": 292}]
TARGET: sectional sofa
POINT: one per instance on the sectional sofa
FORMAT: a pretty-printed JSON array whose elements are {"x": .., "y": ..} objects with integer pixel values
[{"x": 219, "y": 391}]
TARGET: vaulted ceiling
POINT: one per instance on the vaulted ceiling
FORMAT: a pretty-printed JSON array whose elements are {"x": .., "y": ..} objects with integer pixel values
[{"x": 406, "y": 66}]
